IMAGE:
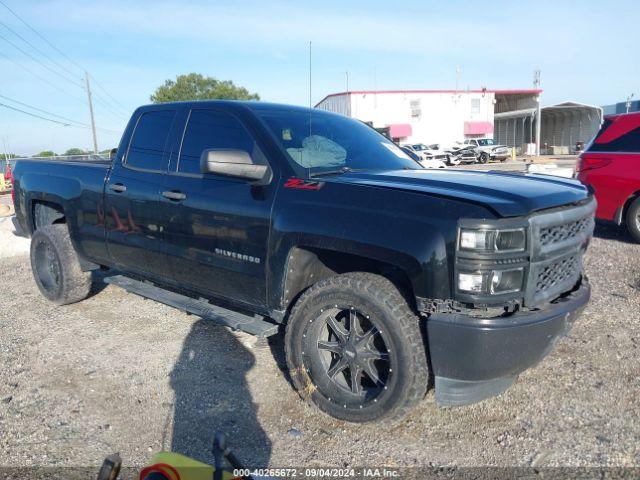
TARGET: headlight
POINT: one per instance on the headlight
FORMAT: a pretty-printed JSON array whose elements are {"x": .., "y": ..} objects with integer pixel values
[
  {"x": 494, "y": 282},
  {"x": 507, "y": 240}
]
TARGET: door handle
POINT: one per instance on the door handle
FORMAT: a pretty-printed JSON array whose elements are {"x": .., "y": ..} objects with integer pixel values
[
  {"x": 118, "y": 187},
  {"x": 175, "y": 196}
]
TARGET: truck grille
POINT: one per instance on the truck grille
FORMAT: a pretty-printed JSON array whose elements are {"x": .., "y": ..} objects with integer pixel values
[
  {"x": 558, "y": 273},
  {"x": 558, "y": 242},
  {"x": 558, "y": 233}
]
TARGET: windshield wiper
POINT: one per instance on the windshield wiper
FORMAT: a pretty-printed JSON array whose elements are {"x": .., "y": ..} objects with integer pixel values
[{"x": 331, "y": 172}]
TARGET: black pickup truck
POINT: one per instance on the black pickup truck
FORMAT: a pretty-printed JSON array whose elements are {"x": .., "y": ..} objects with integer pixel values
[{"x": 388, "y": 277}]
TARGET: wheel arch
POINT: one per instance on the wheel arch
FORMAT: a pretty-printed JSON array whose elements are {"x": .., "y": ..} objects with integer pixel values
[
  {"x": 44, "y": 213},
  {"x": 307, "y": 265},
  {"x": 621, "y": 213}
]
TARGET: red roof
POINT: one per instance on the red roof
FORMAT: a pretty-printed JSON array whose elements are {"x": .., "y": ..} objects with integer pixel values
[{"x": 532, "y": 91}]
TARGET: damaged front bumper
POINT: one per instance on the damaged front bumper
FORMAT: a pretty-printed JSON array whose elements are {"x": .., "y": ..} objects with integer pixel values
[{"x": 476, "y": 358}]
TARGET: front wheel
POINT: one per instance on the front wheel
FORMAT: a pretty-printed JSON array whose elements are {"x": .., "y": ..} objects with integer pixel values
[
  {"x": 354, "y": 348},
  {"x": 56, "y": 267},
  {"x": 633, "y": 219},
  {"x": 484, "y": 157}
]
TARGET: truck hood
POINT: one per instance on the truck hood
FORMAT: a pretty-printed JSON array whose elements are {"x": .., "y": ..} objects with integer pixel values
[{"x": 508, "y": 194}]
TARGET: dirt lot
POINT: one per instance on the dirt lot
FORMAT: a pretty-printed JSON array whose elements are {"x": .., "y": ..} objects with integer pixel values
[{"x": 119, "y": 373}]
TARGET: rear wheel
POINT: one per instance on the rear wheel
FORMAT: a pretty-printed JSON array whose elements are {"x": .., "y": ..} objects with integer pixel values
[
  {"x": 355, "y": 350},
  {"x": 56, "y": 267},
  {"x": 633, "y": 219}
]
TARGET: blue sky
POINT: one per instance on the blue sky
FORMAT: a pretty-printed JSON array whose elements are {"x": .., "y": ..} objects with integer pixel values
[{"x": 587, "y": 51}]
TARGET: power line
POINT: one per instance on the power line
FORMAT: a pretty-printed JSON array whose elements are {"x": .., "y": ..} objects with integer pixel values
[
  {"x": 52, "y": 60},
  {"x": 35, "y": 115},
  {"x": 39, "y": 62},
  {"x": 108, "y": 94},
  {"x": 109, "y": 109},
  {"x": 69, "y": 59},
  {"x": 64, "y": 124},
  {"x": 41, "y": 36},
  {"x": 117, "y": 115},
  {"x": 106, "y": 103},
  {"x": 43, "y": 111},
  {"x": 42, "y": 78}
]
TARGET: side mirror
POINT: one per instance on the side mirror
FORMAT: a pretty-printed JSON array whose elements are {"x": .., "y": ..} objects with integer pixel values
[
  {"x": 234, "y": 163},
  {"x": 113, "y": 153}
]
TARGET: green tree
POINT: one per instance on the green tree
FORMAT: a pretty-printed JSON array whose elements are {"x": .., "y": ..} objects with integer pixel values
[
  {"x": 45, "y": 153},
  {"x": 198, "y": 87},
  {"x": 75, "y": 151}
]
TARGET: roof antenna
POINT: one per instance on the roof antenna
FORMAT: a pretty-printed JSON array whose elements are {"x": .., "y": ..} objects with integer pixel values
[
  {"x": 310, "y": 74},
  {"x": 310, "y": 105}
]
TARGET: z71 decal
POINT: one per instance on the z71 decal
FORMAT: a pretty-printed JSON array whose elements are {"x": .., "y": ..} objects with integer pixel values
[{"x": 301, "y": 184}]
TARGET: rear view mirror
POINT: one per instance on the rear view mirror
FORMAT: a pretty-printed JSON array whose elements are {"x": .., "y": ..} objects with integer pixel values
[{"x": 234, "y": 163}]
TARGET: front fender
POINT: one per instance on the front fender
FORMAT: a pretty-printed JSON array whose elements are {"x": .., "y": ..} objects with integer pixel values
[{"x": 412, "y": 231}]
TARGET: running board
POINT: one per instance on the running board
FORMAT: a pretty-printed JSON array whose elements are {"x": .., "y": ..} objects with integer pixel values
[{"x": 255, "y": 325}]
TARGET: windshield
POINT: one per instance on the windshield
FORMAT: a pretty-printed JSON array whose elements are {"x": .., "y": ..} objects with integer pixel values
[
  {"x": 485, "y": 142},
  {"x": 325, "y": 142},
  {"x": 418, "y": 147}
]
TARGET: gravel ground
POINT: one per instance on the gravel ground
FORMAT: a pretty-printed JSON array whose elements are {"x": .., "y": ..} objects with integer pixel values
[
  {"x": 10, "y": 244},
  {"x": 120, "y": 373}
]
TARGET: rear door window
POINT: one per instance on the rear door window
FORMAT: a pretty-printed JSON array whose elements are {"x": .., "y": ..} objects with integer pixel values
[
  {"x": 618, "y": 134},
  {"x": 146, "y": 150}
]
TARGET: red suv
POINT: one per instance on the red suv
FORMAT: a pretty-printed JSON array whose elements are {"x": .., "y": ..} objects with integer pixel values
[{"x": 611, "y": 165}]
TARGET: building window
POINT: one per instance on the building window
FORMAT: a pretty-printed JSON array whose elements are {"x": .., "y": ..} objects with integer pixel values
[
  {"x": 475, "y": 106},
  {"x": 416, "y": 111}
]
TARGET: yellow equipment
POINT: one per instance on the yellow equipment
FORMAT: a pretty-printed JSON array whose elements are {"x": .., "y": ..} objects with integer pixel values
[
  {"x": 173, "y": 466},
  {"x": 5, "y": 185}
]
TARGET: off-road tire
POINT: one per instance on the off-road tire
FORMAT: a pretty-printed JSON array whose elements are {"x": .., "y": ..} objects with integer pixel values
[
  {"x": 380, "y": 300},
  {"x": 633, "y": 219},
  {"x": 56, "y": 267}
]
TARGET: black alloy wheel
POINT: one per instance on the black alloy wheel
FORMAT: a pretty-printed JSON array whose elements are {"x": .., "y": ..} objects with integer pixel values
[
  {"x": 355, "y": 349},
  {"x": 348, "y": 347}
]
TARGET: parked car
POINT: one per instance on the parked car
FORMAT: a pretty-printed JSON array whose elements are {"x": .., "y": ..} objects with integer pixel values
[
  {"x": 385, "y": 276},
  {"x": 424, "y": 163},
  {"x": 461, "y": 153},
  {"x": 610, "y": 164},
  {"x": 427, "y": 153},
  {"x": 445, "y": 154},
  {"x": 487, "y": 149}
]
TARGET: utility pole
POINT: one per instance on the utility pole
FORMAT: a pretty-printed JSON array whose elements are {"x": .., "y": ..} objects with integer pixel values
[
  {"x": 629, "y": 102},
  {"x": 536, "y": 84},
  {"x": 93, "y": 121}
]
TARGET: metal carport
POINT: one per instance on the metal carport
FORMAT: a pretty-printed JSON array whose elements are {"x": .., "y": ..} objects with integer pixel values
[
  {"x": 564, "y": 124},
  {"x": 516, "y": 127}
]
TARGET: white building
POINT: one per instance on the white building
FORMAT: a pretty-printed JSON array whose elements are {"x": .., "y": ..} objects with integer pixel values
[{"x": 427, "y": 116}]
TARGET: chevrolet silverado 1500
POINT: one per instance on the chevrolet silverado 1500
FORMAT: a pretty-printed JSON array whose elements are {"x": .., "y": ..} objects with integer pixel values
[{"x": 386, "y": 277}]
